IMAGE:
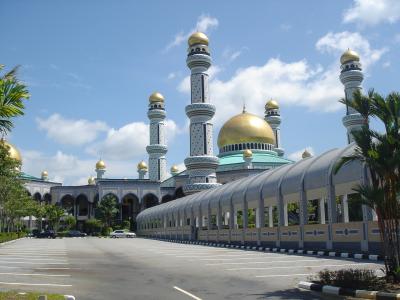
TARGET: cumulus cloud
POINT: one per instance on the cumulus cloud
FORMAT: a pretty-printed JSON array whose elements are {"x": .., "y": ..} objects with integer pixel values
[
  {"x": 372, "y": 12},
  {"x": 297, "y": 155},
  {"x": 204, "y": 24},
  {"x": 71, "y": 132},
  {"x": 291, "y": 83}
]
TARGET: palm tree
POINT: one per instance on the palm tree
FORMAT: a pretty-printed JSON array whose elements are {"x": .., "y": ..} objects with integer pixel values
[
  {"x": 380, "y": 153},
  {"x": 12, "y": 94}
]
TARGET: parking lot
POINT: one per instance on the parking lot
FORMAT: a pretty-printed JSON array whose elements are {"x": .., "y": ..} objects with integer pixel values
[{"x": 95, "y": 268}]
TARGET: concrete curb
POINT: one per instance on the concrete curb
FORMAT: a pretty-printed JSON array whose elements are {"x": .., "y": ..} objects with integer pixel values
[
  {"x": 12, "y": 241},
  {"x": 333, "y": 290},
  {"x": 327, "y": 253}
]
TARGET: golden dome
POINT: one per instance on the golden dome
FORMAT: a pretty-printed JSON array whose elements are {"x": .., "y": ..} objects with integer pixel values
[
  {"x": 306, "y": 154},
  {"x": 271, "y": 104},
  {"x": 142, "y": 166},
  {"x": 45, "y": 174},
  {"x": 91, "y": 180},
  {"x": 156, "y": 97},
  {"x": 247, "y": 153},
  {"x": 100, "y": 165},
  {"x": 12, "y": 150},
  {"x": 245, "y": 128},
  {"x": 349, "y": 55},
  {"x": 198, "y": 38},
  {"x": 174, "y": 169}
]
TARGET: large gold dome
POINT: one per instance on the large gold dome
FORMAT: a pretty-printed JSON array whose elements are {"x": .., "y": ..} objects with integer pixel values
[
  {"x": 156, "y": 97},
  {"x": 198, "y": 38},
  {"x": 12, "y": 150},
  {"x": 245, "y": 128},
  {"x": 100, "y": 165},
  {"x": 349, "y": 55}
]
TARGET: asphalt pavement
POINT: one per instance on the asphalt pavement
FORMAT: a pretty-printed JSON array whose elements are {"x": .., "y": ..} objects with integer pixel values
[{"x": 102, "y": 268}]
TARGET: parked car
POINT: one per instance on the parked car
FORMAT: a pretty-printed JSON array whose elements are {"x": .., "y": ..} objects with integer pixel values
[
  {"x": 50, "y": 234},
  {"x": 122, "y": 234},
  {"x": 76, "y": 233}
]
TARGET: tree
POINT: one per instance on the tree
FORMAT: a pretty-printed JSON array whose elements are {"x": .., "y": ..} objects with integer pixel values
[
  {"x": 54, "y": 214},
  {"x": 12, "y": 95},
  {"x": 107, "y": 209},
  {"x": 69, "y": 222},
  {"x": 93, "y": 226},
  {"x": 380, "y": 153}
]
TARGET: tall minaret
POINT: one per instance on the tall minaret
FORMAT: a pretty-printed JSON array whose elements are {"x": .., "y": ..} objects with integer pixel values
[
  {"x": 273, "y": 117},
  {"x": 157, "y": 148},
  {"x": 201, "y": 164},
  {"x": 100, "y": 169},
  {"x": 351, "y": 76}
]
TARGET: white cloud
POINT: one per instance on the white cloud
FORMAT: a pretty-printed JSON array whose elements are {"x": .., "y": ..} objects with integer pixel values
[
  {"x": 297, "y": 155},
  {"x": 291, "y": 83},
  {"x": 204, "y": 24},
  {"x": 231, "y": 55},
  {"x": 69, "y": 131},
  {"x": 373, "y": 12},
  {"x": 171, "y": 75}
]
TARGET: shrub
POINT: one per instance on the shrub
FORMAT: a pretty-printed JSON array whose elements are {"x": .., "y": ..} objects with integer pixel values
[
  {"x": 352, "y": 279},
  {"x": 93, "y": 226},
  {"x": 9, "y": 236},
  {"x": 106, "y": 230}
]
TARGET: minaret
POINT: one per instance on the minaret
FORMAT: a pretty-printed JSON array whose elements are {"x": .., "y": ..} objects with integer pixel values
[
  {"x": 142, "y": 169},
  {"x": 100, "y": 169},
  {"x": 273, "y": 117},
  {"x": 45, "y": 176},
  {"x": 157, "y": 148},
  {"x": 248, "y": 158},
  {"x": 351, "y": 76},
  {"x": 201, "y": 164}
]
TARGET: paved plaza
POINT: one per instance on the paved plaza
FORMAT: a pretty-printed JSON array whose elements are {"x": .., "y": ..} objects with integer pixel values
[{"x": 95, "y": 268}]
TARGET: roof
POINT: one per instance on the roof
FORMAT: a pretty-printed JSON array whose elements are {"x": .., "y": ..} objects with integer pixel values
[{"x": 259, "y": 157}]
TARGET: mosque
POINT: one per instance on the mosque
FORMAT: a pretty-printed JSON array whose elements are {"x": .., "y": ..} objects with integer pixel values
[{"x": 248, "y": 193}]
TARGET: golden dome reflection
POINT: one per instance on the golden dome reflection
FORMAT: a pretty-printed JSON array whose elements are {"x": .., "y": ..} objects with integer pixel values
[
  {"x": 100, "y": 165},
  {"x": 245, "y": 128},
  {"x": 198, "y": 38},
  {"x": 142, "y": 166},
  {"x": 12, "y": 150},
  {"x": 349, "y": 55},
  {"x": 156, "y": 97}
]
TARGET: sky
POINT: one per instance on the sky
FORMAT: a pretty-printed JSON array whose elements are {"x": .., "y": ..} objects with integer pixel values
[{"x": 91, "y": 65}]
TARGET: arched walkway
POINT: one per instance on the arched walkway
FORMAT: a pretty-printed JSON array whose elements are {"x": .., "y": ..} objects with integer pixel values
[
  {"x": 67, "y": 203},
  {"x": 47, "y": 198},
  {"x": 179, "y": 193},
  {"x": 130, "y": 208},
  {"x": 82, "y": 205},
  {"x": 37, "y": 197},
  {"x": 166, "y": 198},
  {"x": 149, "y": 200}
]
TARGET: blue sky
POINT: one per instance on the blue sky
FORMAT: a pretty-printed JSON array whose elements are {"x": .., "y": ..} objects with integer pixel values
[{"x": 91, "y": 65}]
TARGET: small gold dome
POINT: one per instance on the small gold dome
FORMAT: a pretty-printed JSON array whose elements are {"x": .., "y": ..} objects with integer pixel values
[
  {"x": 245, "y": 128},
  {"x": 306, "y": 154},
  {"x": 247, "y": 153},
  {"x": 271, "y": 104},
  {"x": 142, "y": 166},
  {"x": 156, "y": 97},
  {"x": 174, "y": 169},
  {"x": 12, "y": 150},
  {"x": 91, "y": 180},
  {"x": 198, "y": 38},
  {"x": 349, "y": 55},
  {"x": 45, "y": 174},
  {"x": 100, "y": 165}
]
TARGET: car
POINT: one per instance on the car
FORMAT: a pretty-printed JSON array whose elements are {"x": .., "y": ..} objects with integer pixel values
[
  {"x": 50, "y": 234},
  {"x": 122, "y": 234},
  {"x": 76, "y": 233}
]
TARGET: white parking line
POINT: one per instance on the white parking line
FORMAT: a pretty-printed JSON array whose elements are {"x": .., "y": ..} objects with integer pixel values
[
  {"x": 264, "y": 262},
  {"x": 36, "y": 274},
  {"x": 33, "y": 263},
  {"x": 35, "y": 284},
  {"x": 295, "y": 267},
  {"x": 32, "y": 253},
  {"x": 187, "y": 293},
  {"x": 285, "y": 275},
  {"x": 217, "y": 255},
  {"x": 29, "y": 258}
]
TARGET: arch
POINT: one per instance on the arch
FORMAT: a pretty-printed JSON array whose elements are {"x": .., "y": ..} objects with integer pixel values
[
  {"x": 179, "y": 193},
  {"x": 167, "y": 198},
  {"x": 47, "y": 198},
  {"x": 67, "y": 202},
  {"x": 37, "y": 197},
  {"x": 82, "y": 205},
  {"x": 149, "y": 200},
  {"x": 130, "y": 208}
]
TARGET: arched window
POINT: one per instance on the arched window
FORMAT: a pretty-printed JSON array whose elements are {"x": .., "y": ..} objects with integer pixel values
[{"x": 240, "y": 147}]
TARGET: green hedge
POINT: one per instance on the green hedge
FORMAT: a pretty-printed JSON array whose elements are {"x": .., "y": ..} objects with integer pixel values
[{"x": 9, "y": 236}]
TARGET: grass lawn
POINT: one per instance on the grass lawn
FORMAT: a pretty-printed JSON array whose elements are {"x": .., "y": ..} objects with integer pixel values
[{"x": 27, "y": 296}]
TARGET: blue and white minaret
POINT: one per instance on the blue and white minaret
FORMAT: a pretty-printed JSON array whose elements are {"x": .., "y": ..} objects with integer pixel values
[
  {"x": 351, "y": 76},
  {"x": 157, "y": 148},
  {"x": 201, "y": 165},
  {"x": 273, "y": 117}
]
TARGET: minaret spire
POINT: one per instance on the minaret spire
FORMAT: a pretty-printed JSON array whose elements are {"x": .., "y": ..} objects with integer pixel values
[
  {"x": 351, "y": 76},
  {"x": 157, "y": 148},
  {"x": 201, "y": 164},
  {"x": 273, "y": 117}
]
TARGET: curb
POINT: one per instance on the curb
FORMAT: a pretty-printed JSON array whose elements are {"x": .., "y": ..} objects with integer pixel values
[
  {"x": 12, "y": 241},
  {"x": 326, "y": 253},
  {"x": 333, "y": 290}
]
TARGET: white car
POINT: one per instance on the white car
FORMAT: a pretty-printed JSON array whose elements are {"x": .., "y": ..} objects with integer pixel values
[{"x": 122, "y": 234}]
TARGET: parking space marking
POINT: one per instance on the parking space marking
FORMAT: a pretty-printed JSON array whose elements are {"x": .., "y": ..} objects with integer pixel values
[
  {"x": 296, "y": 267},
  {"x": 187, "y": 293},
  {"x": 284, "y": 275},
  {"x": 33, "y": 263},
  {"x": 36, "y": 274},
  {"x": 264, "y": 262},
  {"x": 35, "y": 284},
  {"x": 30, "y": 258}
]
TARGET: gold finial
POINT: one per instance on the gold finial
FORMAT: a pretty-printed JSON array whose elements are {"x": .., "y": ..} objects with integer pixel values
[{"x": 198, "y": 38}]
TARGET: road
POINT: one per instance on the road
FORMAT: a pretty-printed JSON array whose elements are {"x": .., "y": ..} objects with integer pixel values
[{"x": 100, "y": 268}]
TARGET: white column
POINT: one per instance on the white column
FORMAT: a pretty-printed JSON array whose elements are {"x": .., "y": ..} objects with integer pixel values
[
  {"x": 258, "y": 218},
  {"x": 226, "y": 216},
  {"x": 235, "y": 221},
  {"x": 345, "y": 206},
  {"x": 285, "y": 215},
  {"x": 271, "y": 216},
  {"x": 322, "y": 210}
]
